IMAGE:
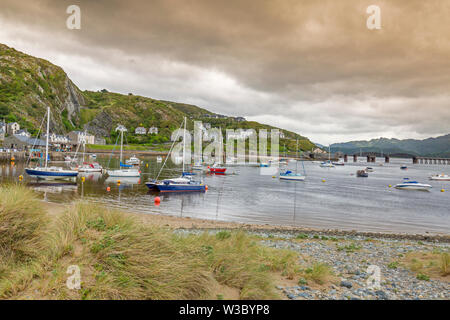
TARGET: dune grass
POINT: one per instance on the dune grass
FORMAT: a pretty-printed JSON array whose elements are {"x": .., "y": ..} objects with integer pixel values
[
  {"x": 426, "y": 265},
  {"x": 121, "y": 258}
]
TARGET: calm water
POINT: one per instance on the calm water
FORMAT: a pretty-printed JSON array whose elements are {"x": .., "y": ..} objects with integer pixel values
[{"x": 343, "y": 201}]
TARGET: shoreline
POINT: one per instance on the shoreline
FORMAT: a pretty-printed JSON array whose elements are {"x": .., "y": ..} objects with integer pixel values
[{"x": 205, "y": 224}]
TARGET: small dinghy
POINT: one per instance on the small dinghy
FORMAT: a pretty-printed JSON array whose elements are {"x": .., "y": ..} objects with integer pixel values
[
  {"x": 404, "y": 168},
  {"x": 369, "y": 169},
  {"x": 362, "y": 173},
  {"x": 413, "y": 185}
]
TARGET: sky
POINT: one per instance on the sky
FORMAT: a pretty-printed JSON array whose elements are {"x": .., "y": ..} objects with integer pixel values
[{"x": 309, "y": 66}]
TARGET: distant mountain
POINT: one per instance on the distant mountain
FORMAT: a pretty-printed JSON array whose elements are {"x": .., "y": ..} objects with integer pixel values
[
  {"x": 29, "y": 84},
  {"x": 437, "y": 147}
]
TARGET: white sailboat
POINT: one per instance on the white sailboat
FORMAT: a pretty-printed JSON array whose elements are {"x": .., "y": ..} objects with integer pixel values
[
  {"x": 47, "y": 172},
  {"x": 85, "y": 166},
  {"x": 125, "y": 170},
  {"x": 328, "y": 163},
  {"x": 289, "y": 175}
]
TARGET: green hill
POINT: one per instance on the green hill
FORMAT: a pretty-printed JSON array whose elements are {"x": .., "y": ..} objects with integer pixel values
[
  {"x": 29, "y": 85},
  {"x": 437, "y": 147}
]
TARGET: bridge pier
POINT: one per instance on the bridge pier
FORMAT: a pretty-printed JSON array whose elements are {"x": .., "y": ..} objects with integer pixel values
[
  {"x": 355, "y": 158},
  {"x": 387, "y": 159}
]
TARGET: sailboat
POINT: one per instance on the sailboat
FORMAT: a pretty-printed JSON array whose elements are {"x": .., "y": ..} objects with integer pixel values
[
  {"x": 289, "y": 175},
  {"x": 86, "y": 166},
  {"x": 129, "y": 171},
  {"x": 216, "y": 167},
  {"x": 185, "y": 183},
  {"x": 328, "y": 163},
  {"x": 47, "y": 172}
]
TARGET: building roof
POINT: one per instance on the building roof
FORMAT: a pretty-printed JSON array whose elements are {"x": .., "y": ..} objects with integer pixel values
[{"x": 30, "y": 141}]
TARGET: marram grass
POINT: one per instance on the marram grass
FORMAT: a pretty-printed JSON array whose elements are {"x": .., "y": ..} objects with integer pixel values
[{"x": 121, "y": 258}]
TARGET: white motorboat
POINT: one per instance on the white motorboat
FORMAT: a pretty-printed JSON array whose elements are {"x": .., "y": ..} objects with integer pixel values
[
  {"x": 133, "y": 161},
  {"x": 369, "y": 169},
  {"x": 413, "y": 185},
  {"x": 339, "y": 163},
  {"x": 159, "y": 159},
  {"x": 440, "y": 177}
]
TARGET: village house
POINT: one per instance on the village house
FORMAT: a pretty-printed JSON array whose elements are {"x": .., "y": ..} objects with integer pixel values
[
  {"x": 24, "y": 133},
  {"x": 12, "y": 128},
  {"x": 153, "y": 130},
  {"x": 318, "y": 150},
  {"x": 77, "y": 137},
  {"x": 22, "y": 142},
  {"x": 3, "y": 126},
  {"x": 140, "y": 130}
]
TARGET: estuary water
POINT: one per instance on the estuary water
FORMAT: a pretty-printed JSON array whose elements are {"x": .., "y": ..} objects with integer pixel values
[{"x": 330, "y": 198}]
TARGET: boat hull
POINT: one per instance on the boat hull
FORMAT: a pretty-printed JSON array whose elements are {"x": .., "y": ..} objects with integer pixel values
[
  {"x": 440, "y": 178},
  {"x": 124, "y": 173},
  {"x": 293, "y": 178},
  {"x": 181, "y": 187},
  {"x": 50, "y": 175},
  {"x": 412, "y": 187},
  {"x": 217, "y": 170}
]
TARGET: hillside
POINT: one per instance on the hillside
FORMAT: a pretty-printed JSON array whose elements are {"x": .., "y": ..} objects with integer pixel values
[
  {"x": 29, "y": 84},
  {"x": 439, "y": 146}
]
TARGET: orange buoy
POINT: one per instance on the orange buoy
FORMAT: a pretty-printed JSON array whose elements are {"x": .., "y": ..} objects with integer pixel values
[
  {"x": 206, "y": 187},
  {"x": 157, "y": 200},
  {"x": 118, "y": 182},
  {"x": 108, "y": 189}
]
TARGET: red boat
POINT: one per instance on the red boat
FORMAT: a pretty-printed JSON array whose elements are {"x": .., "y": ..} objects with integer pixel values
[{"x": 215, "y": 169}]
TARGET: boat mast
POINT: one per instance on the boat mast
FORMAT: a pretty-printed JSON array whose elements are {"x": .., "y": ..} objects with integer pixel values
[
  {"x": 121, "y": 143},
  {"x": 184, "y": 141},
  {"x": 84, "y": 146},
  {"x": 46, "y": 143}
]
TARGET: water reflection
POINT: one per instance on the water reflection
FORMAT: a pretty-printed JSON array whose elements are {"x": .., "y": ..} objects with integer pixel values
[{"x": 329, "y": 198}]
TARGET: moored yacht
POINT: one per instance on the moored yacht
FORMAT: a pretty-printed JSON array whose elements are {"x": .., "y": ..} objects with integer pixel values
[{"x": 440, "y": 177}]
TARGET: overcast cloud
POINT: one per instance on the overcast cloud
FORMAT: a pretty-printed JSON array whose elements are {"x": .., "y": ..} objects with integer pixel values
[{"x": 310, "y": 66}]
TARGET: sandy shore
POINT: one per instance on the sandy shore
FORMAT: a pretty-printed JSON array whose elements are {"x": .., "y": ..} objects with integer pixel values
[{"x": 193, "y": 223}]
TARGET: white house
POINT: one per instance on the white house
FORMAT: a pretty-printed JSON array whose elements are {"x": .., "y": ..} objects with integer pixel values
[
  {"x": 23, "y": 133},
  {"x": 140, "y": 130},
  {"x": 153, "y": 130},
  {"x": 12, "y": 128},
  {"x": 282, "y": 135},
  {"x": 77, "y": 137}
]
